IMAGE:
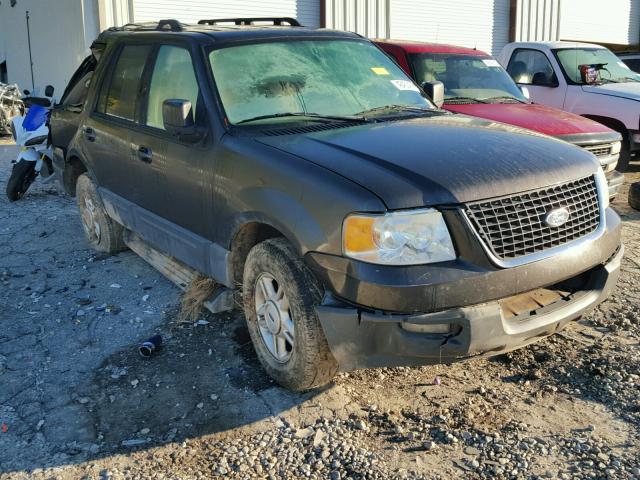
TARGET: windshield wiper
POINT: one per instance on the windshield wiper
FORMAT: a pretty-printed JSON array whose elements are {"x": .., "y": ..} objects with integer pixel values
[
  {"x": 503, "y": 97},
  {"x": 397, "y": 108},
  {"x": 463, "y": 100},
  {"x": 313, "y": 116}
]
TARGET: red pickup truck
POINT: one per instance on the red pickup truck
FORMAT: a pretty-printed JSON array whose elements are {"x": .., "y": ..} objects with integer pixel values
[{"x": 475, "y": 84}]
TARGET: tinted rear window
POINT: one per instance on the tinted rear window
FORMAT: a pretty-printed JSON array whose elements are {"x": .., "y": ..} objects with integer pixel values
[{"x": 119, "y": 96}]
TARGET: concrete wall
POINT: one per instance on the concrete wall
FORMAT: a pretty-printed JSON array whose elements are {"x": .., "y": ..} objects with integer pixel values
[{"x": 61, "y": 33}]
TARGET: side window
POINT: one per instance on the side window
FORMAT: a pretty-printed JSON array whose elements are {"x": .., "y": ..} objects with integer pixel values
[
  {"x": 173, "y": 78},
  {"x": 431, "y": 69},
  {"x": 119, "y": 96},
  {"x": 76, "y": 92},
  {"x": 527, "y": 64}
]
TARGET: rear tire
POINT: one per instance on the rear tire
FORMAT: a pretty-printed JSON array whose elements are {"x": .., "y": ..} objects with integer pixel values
[
  {"x": 634, "y": 195},
  {"x": 22, "y": 176},
  {"x": 305, "y": 361},
  {"x": 103, "y": 233}
]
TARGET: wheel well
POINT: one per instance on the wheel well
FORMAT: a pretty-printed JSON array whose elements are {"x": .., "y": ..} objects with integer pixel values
[
  {"x": 73, "y": 169},
  {"x": 245, "y": 239},
  {"x": 612, "y": 123}
]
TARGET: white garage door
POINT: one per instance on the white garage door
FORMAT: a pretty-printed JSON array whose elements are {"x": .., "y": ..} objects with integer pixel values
[
  {"x": 611, "y": 21},
  {"x": 469, "y": 23},
  {"x": 190, "y": 11}
]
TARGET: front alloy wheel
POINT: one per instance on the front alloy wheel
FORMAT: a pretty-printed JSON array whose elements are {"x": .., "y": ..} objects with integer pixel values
[
  {"x": 274, "y": 317},
  {"x": 280, "y": 295}
]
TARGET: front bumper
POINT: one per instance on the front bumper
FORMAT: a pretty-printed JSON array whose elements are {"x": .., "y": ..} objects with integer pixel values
[
  {"x": 360, "y": 339},
  {"x": 615, "y": 179},
  {"x": 369, "y": 307}
]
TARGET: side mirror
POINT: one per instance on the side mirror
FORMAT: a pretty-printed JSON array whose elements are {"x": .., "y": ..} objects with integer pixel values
[
  {"x": 48, "y": 91},
  {"x": 177, "y": 116},
  {"x": 435, "y": 90},
  {"x": 525, "y": 92}
]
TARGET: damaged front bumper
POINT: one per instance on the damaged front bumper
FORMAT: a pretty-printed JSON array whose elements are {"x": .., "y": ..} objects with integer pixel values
[{"x": 364, "y": 330}]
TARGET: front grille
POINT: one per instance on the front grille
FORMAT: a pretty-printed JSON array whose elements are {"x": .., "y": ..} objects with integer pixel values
[
  {"x": 602, "y": 150},
  {"x": 512, "y": 227}
]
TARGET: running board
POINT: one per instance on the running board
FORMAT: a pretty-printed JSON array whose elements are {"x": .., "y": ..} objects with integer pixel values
[{"x": 177, "y": 272}]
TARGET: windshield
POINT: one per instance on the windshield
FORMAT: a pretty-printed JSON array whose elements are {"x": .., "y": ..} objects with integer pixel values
[
  {"x": 321, "y": 77},
  {"x": 614, "y": 71},
  {"x": 470, "y": 77}
]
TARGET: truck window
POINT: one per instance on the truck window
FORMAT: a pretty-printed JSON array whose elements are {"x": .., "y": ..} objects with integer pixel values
[
  {"x": 119, "y": 93},
  {"x": 173, "y": 77},
  {"x": 526, "y": 63}
]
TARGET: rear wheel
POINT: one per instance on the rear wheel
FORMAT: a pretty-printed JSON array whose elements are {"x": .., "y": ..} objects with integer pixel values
[
  {"x": 103, "y": 233},
  {"x": 22, "y": 176},
  {"x": 280, "y": 295}
]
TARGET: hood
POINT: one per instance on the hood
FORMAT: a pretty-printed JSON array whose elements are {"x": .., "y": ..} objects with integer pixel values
[
  {"x": 439, "y": 160},
  {"x": 543, "y": 119},
  {"x": 630, "y": 90}
]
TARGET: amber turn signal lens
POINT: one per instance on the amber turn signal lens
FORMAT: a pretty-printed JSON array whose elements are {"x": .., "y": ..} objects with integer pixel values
[{"x": 357, "y": 234}]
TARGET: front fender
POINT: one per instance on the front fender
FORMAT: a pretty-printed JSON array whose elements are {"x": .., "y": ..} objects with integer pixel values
[
  {"x": 28, "y": 154},
  {"x": 622, "y": 110}
]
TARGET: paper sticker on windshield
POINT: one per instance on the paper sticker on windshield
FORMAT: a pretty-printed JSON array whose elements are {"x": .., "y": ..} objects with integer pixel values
[
  {"x": 404, "y": 85},
  {"x": 380, "y": 70},
  {"x": 490, "y": 62},
  {"x": 623, "y": 65}
]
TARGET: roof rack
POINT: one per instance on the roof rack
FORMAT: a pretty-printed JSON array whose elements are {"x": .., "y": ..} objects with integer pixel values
[
  {"x": 163, "y": 25},
  {"x": 250, "y": 21},
  {"x": 174, "y": 25}
]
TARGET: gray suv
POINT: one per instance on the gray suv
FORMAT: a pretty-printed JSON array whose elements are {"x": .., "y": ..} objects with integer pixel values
[{"x": 363, "y": 226}]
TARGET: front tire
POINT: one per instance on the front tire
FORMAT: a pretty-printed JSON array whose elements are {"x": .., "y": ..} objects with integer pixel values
[
  {"x": 280, "y": 294},
  {"x": 22, "y": 176},
  {"x": 634, "y": 195},
  {"x": 103, "y": 233},
  {"x": 625, "y": 155}
]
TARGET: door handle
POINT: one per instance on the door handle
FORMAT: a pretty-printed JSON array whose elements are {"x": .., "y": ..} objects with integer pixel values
[
  {"x": 145, "y": 154},
  {"x": 89, "y": 134}
]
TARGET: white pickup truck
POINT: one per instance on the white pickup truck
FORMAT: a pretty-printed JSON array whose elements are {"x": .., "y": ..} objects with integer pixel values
[{"x": 581, "y": 78}]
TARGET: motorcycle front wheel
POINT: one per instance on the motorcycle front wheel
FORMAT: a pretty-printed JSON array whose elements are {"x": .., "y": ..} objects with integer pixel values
[{"x": 22, "y": 176}]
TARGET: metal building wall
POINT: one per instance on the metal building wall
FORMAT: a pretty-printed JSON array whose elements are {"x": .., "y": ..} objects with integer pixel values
[
  {"x": 56, "y": 51},
  {"x": 483, "y": 24},
  {"x": 610, "y": 21},
  {"x": 537, "y": 20},
  {"x": 366, "y": 17}
]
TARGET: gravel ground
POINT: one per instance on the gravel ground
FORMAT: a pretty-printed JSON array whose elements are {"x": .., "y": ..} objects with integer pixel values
[{"x": 77, "y": 401}]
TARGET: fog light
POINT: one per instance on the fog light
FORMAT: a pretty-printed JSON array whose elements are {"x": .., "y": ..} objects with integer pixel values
[{"x": 442, "y": 328}]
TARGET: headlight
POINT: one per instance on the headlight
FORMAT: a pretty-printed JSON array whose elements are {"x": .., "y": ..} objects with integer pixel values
[
  {"x": 615, "y": 148},
  {"x": 399, "y": 238}
]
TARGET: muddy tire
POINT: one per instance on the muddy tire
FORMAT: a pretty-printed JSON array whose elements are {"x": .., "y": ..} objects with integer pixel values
[
  {"x": 279, "y": 296},
  {"x": 103, "y": 233},
  {"x": 634, "y": 195},
  {"x": 22, "y": 176}
]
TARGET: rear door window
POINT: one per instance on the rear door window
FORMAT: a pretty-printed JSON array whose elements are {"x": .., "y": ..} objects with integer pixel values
[
  {"x": 526, "y": 63},
  {"x": 173, "y": 77},
  {"x": 76, "y": 92},
  {"x": 119, "y": 96}
]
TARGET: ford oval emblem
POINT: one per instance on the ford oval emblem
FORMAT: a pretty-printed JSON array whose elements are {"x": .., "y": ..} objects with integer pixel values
[{"x": 557, "y": 217}]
